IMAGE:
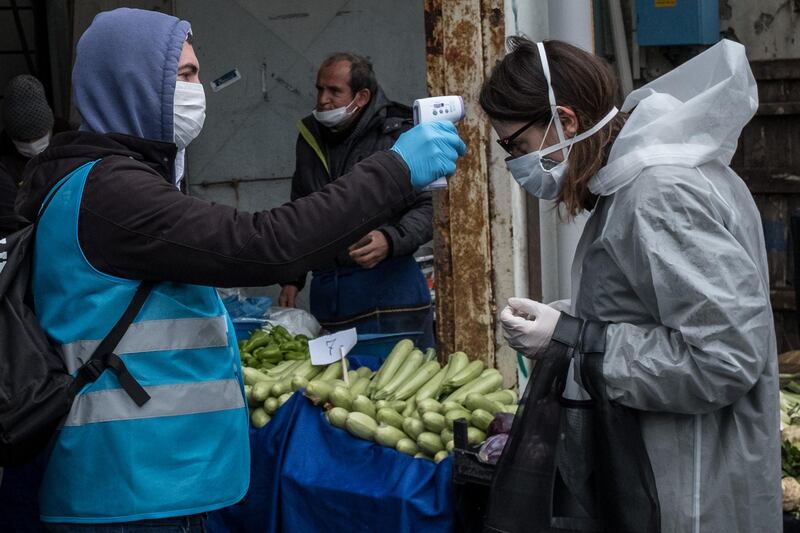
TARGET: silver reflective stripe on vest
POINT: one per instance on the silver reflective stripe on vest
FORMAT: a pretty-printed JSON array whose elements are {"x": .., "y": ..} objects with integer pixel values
[
  {"x": 155, "y": 336},
  {"x": 165, "y": 400}
]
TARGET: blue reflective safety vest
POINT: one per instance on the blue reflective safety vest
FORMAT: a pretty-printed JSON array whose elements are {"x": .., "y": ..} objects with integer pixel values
[{"x": 186, "y": 450}]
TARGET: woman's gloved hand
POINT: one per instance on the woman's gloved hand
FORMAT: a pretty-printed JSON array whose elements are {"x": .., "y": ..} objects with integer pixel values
[
  {"x": 430, "y": 150},
  {"x": 528, "y": 326}
]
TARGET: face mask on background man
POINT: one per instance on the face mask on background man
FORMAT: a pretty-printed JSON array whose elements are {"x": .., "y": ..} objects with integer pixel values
[
  {"x": 33, "y": 148},
  {"x": 335, "y": 117}
]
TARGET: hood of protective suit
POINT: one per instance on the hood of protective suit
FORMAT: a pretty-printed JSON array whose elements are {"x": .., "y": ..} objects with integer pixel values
[
  {"x": 125, "y": 70},
  {"x": 687, "y": 117}
]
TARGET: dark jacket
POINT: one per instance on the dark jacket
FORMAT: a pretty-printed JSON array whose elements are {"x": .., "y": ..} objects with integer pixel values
[
  {"x": 134, "y": 223},
  {"x": 378, "y": 127},
  {"x": 8, "y": 192}
]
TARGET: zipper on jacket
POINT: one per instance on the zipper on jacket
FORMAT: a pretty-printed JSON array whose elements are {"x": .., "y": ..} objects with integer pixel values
[{"x": 698, "y": 451}]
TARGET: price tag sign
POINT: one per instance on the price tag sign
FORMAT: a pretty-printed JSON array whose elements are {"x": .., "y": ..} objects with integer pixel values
[{"x": 328, "y": 349}]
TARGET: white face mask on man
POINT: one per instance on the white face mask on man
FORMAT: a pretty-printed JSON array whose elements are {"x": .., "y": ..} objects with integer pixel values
[
  {"x": 189, "y": 114},
  {"x": 540, "y": 176},
  {"x": 33, "y": 148},
  {"x": 189, "y": 110},
  {"x": 335, "y": 117}
]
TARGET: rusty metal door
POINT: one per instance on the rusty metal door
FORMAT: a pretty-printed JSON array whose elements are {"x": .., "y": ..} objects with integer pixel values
[{"x": 464, "y": 39}]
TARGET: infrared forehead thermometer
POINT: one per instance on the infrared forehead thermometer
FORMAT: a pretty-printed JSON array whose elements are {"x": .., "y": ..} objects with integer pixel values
[
  {"x": 438, "y": 108},
  {"x": 442, "y": 108}
]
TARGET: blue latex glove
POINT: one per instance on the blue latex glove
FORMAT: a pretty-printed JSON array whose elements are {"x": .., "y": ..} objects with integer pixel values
[{"x": 430, "y": 150}]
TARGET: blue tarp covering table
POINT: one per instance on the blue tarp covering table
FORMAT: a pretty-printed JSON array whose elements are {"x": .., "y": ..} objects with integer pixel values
[{"x": 308, "y": 476}]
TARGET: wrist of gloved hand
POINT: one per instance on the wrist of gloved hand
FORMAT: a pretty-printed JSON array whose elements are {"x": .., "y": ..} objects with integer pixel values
[
  {"x": 568, "y": 330},
  {"x": 589, "y": 336},
  {"x": 531, "y": 327},
  {"x": 590, "y": 353},
  {"x": 585, "y": 340}
]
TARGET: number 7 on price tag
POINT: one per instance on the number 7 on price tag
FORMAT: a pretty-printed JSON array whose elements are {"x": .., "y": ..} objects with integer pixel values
[{"x": 331, "y": 348}]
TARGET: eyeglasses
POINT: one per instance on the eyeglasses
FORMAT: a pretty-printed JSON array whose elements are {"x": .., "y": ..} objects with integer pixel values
[{"x": 505, "y": 142}]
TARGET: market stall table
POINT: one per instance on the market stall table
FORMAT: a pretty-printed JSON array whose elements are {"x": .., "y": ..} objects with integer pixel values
[{"x": 307, "y": 476}]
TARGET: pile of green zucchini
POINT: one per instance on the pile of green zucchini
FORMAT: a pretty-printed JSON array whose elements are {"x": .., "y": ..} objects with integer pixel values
[
  {"x": 267, "y": 391},
  {"x": 410, "y": 404}
]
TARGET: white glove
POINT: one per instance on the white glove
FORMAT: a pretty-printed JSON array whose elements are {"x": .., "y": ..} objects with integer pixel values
[{"x": 528, "y": 325}]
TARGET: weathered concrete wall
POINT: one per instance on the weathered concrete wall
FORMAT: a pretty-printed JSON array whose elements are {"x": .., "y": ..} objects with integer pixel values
[
  {"x": 245, "y": 156},
  {"x": 770, "y": 29}
]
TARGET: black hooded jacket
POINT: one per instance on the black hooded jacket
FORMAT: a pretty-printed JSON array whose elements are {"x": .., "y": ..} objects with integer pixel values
[
  {"x": 378, "y": 127},
  {"x": 135, "y": 224}
]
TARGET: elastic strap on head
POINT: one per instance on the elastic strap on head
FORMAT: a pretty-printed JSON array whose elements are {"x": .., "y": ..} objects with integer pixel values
[
  {"x": 552, "y": 97},
  {"x": 581, "y": 136}
]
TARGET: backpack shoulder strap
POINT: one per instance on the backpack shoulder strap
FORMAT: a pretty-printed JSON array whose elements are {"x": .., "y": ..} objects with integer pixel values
[{"x": 104, "y": 356}]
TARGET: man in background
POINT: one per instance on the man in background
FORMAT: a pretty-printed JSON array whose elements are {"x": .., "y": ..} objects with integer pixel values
[
  {"x": 28, "y": 126},
  {"x": 374, "y": 285}
]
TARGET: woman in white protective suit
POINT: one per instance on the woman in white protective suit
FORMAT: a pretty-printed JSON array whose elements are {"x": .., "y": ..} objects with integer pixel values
[{"x": 672, "y": 259}]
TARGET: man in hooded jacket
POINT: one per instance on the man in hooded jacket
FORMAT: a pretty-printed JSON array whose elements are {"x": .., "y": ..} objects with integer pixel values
[
  {"x": 116, "y": 217},
  {"x": 375, "y": 285}
]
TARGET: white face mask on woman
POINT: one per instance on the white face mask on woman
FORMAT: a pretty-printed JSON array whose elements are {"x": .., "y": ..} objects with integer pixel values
[
  {"x": 335, "y": 117},
  {"x": 540, "y": 176}
]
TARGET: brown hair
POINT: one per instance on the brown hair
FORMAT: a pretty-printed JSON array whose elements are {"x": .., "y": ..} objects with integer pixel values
[{"x": 517, "y": 91}]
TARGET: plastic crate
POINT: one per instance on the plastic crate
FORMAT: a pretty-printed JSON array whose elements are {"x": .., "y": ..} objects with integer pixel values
[
  {"x": 790, "y": 524},
  {"x": 380, "y": 344},
  {"x": 243, "y": 328},
  {"x": 467, "y": 469}
]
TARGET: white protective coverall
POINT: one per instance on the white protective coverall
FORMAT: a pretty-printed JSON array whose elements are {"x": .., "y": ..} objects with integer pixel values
[{"x": 673, "y": 257}]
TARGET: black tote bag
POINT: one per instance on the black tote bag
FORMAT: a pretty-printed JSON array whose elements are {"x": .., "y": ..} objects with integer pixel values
[{"x": 573, "y": 466}]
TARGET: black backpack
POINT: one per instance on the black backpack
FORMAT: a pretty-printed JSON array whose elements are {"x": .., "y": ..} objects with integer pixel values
[{"x": 36, "y": 391}]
